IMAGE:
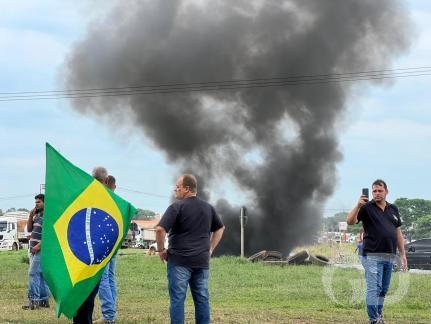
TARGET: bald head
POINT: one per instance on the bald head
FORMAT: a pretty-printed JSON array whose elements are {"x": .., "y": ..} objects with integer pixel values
[{"x": 100, "y": 173}]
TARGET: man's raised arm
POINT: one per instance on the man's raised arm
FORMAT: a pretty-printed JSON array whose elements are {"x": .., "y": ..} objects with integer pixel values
[{"x": 352, "y": 217}]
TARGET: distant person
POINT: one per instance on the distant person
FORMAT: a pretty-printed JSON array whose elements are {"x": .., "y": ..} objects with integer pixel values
[
  {"x": 38, "y": 291},
  {"x": 382, "y": 234},
  {"x": 360, "y": 247},
  {"x": 84, "y": 314},
  {"x": 195, "y": 230},
  {"x": 108, "y": 288}
]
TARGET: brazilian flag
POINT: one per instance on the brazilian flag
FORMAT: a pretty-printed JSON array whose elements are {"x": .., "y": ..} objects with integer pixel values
[{"x": 84, "y": 225}]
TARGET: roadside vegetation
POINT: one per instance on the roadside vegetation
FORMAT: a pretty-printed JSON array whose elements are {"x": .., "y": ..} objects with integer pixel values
[{"x": 241, "y": 292}]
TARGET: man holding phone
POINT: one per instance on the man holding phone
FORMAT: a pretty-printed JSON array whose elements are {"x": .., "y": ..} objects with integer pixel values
[
  {"x": 382, "y": 235},
  {"x": 38, "y": 291}
]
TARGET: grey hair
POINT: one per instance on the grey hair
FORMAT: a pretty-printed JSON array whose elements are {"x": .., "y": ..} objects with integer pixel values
[{"x": 100, "y": 173}]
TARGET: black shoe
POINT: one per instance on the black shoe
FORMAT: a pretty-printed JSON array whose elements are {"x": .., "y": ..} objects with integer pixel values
[
  {"x": 44, "y": 303},
  {"x": 32, "y": 304}
]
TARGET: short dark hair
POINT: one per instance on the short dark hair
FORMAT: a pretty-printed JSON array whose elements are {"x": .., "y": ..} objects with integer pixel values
[
  {"x": 110, "y": 181},
  {"x": 189, "y": 180},
  {"x": 40, "y": 196},
  {"x": 380, "y": 182}
]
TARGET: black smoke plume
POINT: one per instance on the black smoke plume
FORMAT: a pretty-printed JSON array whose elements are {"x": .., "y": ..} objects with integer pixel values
[{"x": 278, "y": 144}]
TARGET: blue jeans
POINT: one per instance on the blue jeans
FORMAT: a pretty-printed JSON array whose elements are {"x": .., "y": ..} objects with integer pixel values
[
  {"x": 108, "y": 291},
  {"x": 179, "y": 278},
  {"x": 378, "y": 272},
  {"x": 37, "y": 288}
]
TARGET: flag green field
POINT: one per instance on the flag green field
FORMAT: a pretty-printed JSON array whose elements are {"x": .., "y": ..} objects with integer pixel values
[{"x": 84, "y": 225}]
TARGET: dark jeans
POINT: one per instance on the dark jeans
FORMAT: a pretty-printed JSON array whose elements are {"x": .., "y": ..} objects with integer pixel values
[
  {"x": 179, "y": 277},
  {"x": 85, "y": 312}
]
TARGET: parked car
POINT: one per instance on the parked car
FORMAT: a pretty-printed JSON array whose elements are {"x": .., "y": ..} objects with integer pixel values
[{"x": 419, "y": 254}]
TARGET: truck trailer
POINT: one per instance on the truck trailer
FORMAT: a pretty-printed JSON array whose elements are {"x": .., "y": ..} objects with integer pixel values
[{"x": 13, "y": 233}]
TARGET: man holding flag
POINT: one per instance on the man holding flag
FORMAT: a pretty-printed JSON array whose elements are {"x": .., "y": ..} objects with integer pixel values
[{"x": 85, "y": 224}]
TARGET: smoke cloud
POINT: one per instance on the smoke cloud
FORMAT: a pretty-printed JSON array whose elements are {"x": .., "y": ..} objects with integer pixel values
[{"x": 278, "y": 144}]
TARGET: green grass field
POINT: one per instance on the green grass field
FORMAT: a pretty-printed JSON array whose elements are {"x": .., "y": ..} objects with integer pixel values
[{"x": 241, "y": 292}]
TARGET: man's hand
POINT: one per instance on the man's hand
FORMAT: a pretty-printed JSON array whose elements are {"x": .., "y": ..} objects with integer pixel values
[
  {"x": 31, "y": 214},
  {"x": 403, "y": 260},
  {"x": 352, "y": 217},
  {"x": 163, "y": 255},
  {"x": 35, "y": 249},
  {"x": 362, "y": 201}
]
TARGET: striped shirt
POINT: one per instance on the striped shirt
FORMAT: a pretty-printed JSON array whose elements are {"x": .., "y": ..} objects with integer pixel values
[{"x": 36, "y": 234}]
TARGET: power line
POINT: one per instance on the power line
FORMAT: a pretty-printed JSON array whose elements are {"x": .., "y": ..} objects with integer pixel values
[
  {"x": 143, "y": 193},
  {"x": 120, "y": 188},
  {"x": 16, "y": 197},
  {"x": 218, "y": 85},
  {"x": 293, "y": 77}
]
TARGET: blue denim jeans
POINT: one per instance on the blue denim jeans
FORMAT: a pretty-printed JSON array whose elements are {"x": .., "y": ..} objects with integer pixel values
[
  {"x": 378, "y": 273},
  {"x": 108, "y": 291},
  {"x": 179, "y": 278},
  {"x": 37, "y": 288}
]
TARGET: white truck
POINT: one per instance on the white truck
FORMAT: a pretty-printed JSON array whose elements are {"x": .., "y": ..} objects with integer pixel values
[{"x": 13, "y": 233}]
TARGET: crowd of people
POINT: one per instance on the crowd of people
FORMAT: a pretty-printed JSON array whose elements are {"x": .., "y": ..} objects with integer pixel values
[{"x": 194, "y": 230}]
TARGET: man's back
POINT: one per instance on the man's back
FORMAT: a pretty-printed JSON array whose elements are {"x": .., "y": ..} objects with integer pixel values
[{"x": 190, "y": 222}]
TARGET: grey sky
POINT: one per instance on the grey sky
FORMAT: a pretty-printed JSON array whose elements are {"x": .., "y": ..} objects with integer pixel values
[{"x": 384, "y": 133}]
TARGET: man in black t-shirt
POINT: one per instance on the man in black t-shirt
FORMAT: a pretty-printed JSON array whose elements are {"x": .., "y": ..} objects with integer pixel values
[
  {"x": 382, "y": 235},
  {"x": 194, "y": 230}
]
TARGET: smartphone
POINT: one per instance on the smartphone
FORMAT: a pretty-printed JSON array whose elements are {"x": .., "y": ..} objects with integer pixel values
[{"x": 365, "y": 193}]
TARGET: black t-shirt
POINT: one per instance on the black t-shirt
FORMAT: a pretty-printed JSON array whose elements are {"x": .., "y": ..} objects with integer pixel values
[
  {"x": 380, "y": 227},
  {"x": 189, "y": 223}
]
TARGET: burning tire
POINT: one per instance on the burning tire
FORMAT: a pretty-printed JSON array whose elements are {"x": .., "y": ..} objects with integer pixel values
[
  {"x": 318, "y": 260},
  {"x": 273, "y": 256},
  {"x": 266, "y": 256},
  {"x": 298, "y": 258},
  {"x": 259, "y": 256}
]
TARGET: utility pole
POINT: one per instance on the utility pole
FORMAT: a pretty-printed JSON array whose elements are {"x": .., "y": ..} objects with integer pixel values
[{"x": 243, "y": 220}]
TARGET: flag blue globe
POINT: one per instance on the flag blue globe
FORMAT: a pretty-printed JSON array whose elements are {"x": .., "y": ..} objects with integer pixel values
[{"x": 92, "y": 234}]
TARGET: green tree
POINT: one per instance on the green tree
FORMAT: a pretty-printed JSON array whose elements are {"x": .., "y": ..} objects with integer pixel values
[
  {"x": 412, "y": 209},
  {"x": 331, "y": 223},
  {"x": 23, "y": 209},
  {"x": 11, "y": 210},
  {"x": 144, "y": 214},
  {"x": 422, "y": 228}
]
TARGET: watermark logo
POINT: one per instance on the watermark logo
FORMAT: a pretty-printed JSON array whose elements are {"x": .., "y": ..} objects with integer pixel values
[{"x": 345, "y": 282}]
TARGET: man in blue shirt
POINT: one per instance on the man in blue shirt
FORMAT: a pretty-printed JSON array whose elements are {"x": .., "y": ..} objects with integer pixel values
[
  {"x": 382, "y": 235},
  {"x": 194, "y": 230}
]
